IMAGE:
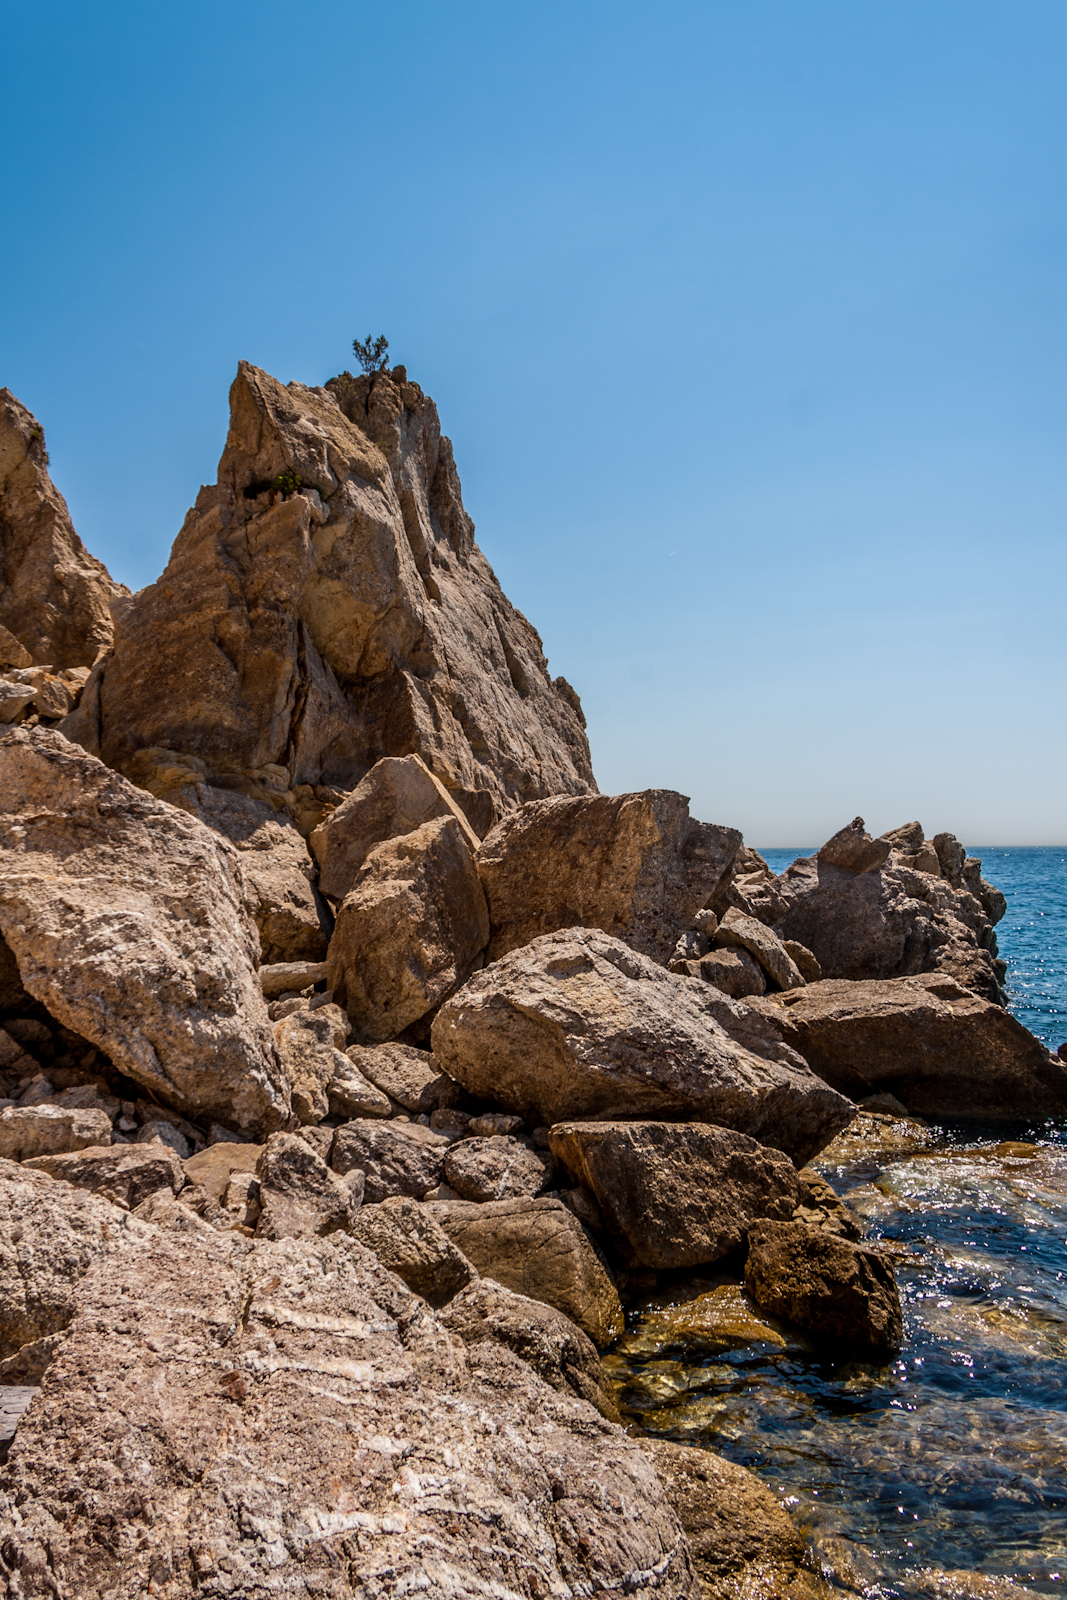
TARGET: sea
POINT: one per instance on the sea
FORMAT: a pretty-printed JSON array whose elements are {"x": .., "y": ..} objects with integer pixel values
[{"x": 952, "y": 1456}]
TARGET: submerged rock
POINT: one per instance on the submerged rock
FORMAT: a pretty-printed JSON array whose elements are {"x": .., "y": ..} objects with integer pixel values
[{"x": 824, "y": 1284}]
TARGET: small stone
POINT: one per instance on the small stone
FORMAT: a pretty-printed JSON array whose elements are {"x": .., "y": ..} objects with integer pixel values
[
  {"x": 167, "y": 1134},
  {"x": 494, "y": 1169},
  {"x": 411, "y": 1077},
  {"x": 124, "y": 1174},
  {"x": 275, "y": 980},
  {"x": 489, "y": 1123},
  {"x": 299, "y": 1195},
  {"x": 397, "y": 1158}
]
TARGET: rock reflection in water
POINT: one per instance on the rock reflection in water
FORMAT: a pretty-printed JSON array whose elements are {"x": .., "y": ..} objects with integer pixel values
[{"x": 953, "y": 1455}]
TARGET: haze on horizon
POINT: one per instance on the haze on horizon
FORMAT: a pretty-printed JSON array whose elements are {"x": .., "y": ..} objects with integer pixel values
[{"x": 746, "y": 321}]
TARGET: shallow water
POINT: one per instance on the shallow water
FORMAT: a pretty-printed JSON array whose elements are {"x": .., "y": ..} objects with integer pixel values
[{"x": 953, "y": 1455}]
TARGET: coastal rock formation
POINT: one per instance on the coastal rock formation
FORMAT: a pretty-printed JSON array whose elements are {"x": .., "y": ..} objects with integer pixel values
[
  {"x": 54, "y": 596},
  {"x": 824, "y": 1284},
  {"x": 578, "y": 1025},
  {"x": 636, "y": 865},
  {"x": 410, "y": 1077},
  {"x": 409, "y": 1240},
  {"x": 939, "y": 1048},
  {"x": 325, "y": 605},
  {"x": 394, "y": 1157},
  {"x": 676, "y": 1194},
  {"x": 736, "y": 931},
  {"x": 129, "y": 921}
]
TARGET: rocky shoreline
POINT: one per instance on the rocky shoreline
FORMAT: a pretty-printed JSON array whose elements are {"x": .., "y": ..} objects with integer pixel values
[{"x": 360, "y": 1063}]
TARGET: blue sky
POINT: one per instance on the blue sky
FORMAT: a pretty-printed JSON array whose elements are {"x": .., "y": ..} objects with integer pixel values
[{"x": 747, "y": 322}]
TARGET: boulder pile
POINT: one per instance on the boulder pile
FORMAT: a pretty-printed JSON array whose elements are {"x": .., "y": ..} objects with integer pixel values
[{"x": 358, "y": 1058}]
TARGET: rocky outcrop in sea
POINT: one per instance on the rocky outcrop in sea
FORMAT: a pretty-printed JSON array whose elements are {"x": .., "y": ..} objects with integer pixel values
[{"x": 360, "y": 1063}]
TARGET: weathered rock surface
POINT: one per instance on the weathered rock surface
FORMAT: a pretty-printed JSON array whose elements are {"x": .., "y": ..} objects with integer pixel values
[
  {"x": 744, "y": 1545},
  {"x": 350, "y": 1094},
  {"x": 395, "y": 1157},
  {"x": 675, "y": 1194},
  {"x": 410, "y": 931},
  {"x": 298, "y": 1194},
  {"x": 325, "y": 605},
  {"x": 212, "y": 1169},
  {"x": 312, "y": 1429},
  {"x": 493, "y": 1169},
  {"x": 824, "y": 1284},
  {"x": 853, "y": 850},
  {"x": 578, "y": 1025},
  {"x": 636, "y": 865},
  {"x": 747, "y": 933},
  {"x": 540, "y": 1249},
  {"x": 819, "y": 1205},
  {"x": 409, "y": 1240},
  {"x": 410, "y": 1077},
  {"x": 309, "y": 1049},
  {"x": 936, "y": 1046},
  {"x": 281, "y": 977},
  {"x": 54, "y": 596},
  {"x": 43, "y": 1130},
  {"x": 122, "y": 1173},
  {"x": 128, "y": 921},
  {"x": 734, "y": 972},
  {"x": 398, "y": 795},
  {"x": 549, "y": 1342}
]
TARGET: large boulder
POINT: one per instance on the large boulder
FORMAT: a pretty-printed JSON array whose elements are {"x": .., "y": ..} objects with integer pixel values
[
  {"x": 578, "y": 1025},
  {"x": 411, "y": 930},
  {"x": 398, "y": 795},
  {"x": 676, "y": 1194},
  {"x": 325, "y": 605},
  {"x": 123, "y": 1173},
  {"x": 636, "y": 865},
  {"x": 45, "y": 1130},
  {"x": 129, "y": 921},
  {"x": 313, "y": 1430},
  {"x": 540, "y": 1249},
  {"x": 939, "y": 1048},
  {"x": 824, "y": 1284},
  {"x": 54, "y": 596},
  {"x": 408, "y": 1239}
]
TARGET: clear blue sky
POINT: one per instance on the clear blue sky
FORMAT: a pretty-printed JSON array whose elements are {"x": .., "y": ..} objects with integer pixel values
[{"x": 747, "y": 321}]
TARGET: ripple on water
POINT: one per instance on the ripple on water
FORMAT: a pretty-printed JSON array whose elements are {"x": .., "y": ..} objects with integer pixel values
[{"x": 953, "y": 1455}]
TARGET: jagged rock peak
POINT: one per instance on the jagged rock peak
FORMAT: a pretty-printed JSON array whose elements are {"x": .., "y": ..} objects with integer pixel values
[
  {"x": 325, "y": 605},
  {"x": 54, "y": 596}
]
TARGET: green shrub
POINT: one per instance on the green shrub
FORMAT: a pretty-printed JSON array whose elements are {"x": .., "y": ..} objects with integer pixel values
[{"x": 371, "y": 352}]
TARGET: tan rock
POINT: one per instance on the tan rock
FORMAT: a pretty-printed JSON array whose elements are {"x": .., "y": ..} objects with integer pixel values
[
  {"x": 325, "y": 605},
  {"x": 824, "y": 1284},
  {"x": 123, "y": 1173},
  {"x": 537, "y": 1248},
  {"x": 212, "y": 1169},
  {"x": 398, "y": 795},
  {"x": 410, "y": 1077},
  {"x": 396, "y": 1158},
  {"x": 350, "y": 1094},
  {"x": 300, "y": 1197},
  {"x": 411, "y": 930},
  {"x": 410, "y": 1241},
  {"x": 853, "y": 850},
  {"x": 279, "y": 977},
  {"x": 734, "y": 971},
  {"x": 937, "y": 1047},
  {"x": 737, "y": 930},
  {"x": 494, "y": 1169},
  {"x": 44, "y": 1130},
  {"x": 636, "y": 865},
  {"x": 54, "y": 596},
  {"x": 809, "y": 968},
  {"x": 820, "y": 1207},
  {"x": 578, "y": 1025},
  {"x": 675, "y": 1194},
  {"x": 309, "y": 1046},
  {"x": 128, "y": 921}
]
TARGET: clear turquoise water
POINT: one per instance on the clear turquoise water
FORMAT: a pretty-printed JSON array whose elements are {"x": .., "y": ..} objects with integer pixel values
[{"x": 955, "y": 1454}]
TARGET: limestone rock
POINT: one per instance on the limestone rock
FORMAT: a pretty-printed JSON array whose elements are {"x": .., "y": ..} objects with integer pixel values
[
  {"x": 635, "y": 865},
  {"x": 128, "y": 921},
  {"x": 820, "y": 1207},
  {"x": 410, "y": 1241},
  {"x": 54, "y": 596},
  {"x": 410, "y": 1077},
  {"x": 44, "y": 1130},
  {"x": 279, "y": 977},
  {"x": 733, "y": 971},
  {"x": 325, "y": 605},
  {"x": 824, "y": 1284},
  {"x": 315, "y": 1431},
  {"x": 396, "y": 1158},
  {"x": 675, "y": 1194},
  {"x": 121, "y": 1173},
  {"x": 298, "y": 1193},
  {"x": 540, "y": 1249},
  {"x": 578, "y": 1025},
  {"x": 398, "y": 795},
  {"x": 743, "y": 1543},
  {"x": 411, "y": 930},
  {"x": 936, "y": 1046},
  {"x": 494, "y": 1169},
  {"x": 746, "y": 933},
  {"x": 308, "y": 1045},
  {"x": 549, "y": 1342},
  {"x": 212, "y": 1169}
]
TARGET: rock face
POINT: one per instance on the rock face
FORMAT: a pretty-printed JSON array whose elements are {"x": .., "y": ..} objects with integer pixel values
[
  {"x": 128, "y": 921},
  {"x": 54, "y": 596},
  {"x": 936, "y": 1046},
  {"x": 636, "y": 865},
  {"x": 398, "y": 795},
  {"x": 824, "y": 1284},
  {"x": 578, "y": 1025},
  {"x": 325, "y": 605},
  {"x": 410, "y": 931},
  {"x": 314, "y": 1430},
  {"x": 537, "y": 1248},
  {"x": 676, "y": 1194}
]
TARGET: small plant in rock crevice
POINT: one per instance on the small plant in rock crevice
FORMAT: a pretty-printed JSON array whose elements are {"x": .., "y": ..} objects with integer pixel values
[{"x": 371, "y": 352}]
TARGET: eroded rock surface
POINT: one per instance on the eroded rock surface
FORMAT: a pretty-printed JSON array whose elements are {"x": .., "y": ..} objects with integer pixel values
[
  {"x": 824, "y": 1284},
  {"x": 408, "y": 1239},
  {"x": 396, "y": 1158}
]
